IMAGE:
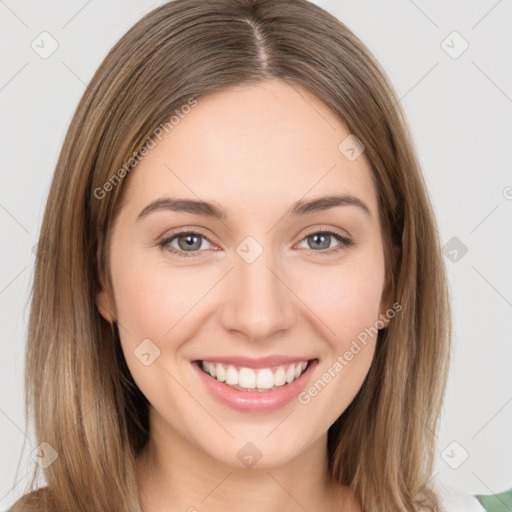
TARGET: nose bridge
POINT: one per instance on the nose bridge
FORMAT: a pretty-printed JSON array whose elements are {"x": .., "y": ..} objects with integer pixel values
[{"x": 259, "y": 303}]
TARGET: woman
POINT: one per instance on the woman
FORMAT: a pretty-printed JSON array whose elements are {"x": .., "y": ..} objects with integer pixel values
[{"x": 240, "y": 298}]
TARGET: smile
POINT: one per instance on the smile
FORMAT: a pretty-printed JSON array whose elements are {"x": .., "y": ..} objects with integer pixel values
[
  {"x": 256, "y": 386},
  {"x": 249, "y": 379}
]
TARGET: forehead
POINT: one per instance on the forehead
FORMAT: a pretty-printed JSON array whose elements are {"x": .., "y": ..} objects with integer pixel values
[{"x": 269, "y": 142}]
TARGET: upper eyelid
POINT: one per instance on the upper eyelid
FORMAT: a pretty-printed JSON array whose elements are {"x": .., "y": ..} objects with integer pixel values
[
  {"x": 311, "y": 231},
  {"x": 332, "y": 231},
  {"x": 186, "y": 231}
]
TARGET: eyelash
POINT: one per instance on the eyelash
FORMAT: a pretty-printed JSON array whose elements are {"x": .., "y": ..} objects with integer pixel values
[{"x": 345, "y": 242}]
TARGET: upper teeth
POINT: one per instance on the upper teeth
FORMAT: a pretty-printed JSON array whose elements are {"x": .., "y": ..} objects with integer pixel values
[{"x": 248, "y": 378}]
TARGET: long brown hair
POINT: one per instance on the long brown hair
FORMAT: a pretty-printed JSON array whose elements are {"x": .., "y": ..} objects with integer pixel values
[{"x": 83, "y": 399}]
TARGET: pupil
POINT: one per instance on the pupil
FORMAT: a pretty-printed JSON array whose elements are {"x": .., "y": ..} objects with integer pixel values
[
  {"x": 317, "y": 238},
  {"x": 190, "y": 241}
]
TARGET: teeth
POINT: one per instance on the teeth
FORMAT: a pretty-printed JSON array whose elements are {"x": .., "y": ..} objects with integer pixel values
[
  {"x": 265, "y": 379},
  {"x": 209, "y": 368},
  {"x": 290, "y": 374},
  {"x": 280, "y": 376},
  {"x": 248, "y": 378},
  {"x": 220, "y": 373},
  {"x": 231, "y": 376}
]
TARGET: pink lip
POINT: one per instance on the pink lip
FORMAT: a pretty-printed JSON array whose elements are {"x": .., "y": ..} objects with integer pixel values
[
  {"x": 261, "y": 362},
  {"x": 255, "y": 401}
]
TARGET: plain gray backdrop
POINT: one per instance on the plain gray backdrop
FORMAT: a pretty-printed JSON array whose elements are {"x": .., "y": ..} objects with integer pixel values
[{"x": 451, "y": 64}]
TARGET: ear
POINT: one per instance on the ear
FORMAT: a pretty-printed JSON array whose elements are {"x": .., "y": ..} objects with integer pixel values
[
  {"x": 388, "y": 294},
  {"x": 104, "y": 301}
]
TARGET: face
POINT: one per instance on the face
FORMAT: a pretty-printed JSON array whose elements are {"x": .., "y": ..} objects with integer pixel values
[{"x": 247, "y": 305}]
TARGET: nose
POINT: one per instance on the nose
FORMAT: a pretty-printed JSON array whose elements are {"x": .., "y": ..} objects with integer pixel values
[{"x": 259, "y": 303}]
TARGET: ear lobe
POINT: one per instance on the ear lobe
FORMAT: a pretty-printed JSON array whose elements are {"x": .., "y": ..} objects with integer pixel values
[
  {"x": 103, "y": 298},
  {"x": 102, "y": 303}
]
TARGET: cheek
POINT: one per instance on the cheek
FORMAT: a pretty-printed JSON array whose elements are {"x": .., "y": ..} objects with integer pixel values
[
  {"x": 164, "y": 304},
  {"x": 346, "y": 302},
  {"x": 346, "y": 299},
  {"x": 151, "y": 297},
  {"x": 354, "y": 301},
  {"x": 336, "y": 302},
  {"x": 154, "y": 302}
]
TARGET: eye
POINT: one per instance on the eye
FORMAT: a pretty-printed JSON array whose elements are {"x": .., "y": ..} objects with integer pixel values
[
  {"x": 324, "y": 240},
  {"x": 191, "y": 243},
  {"x": 186, "y": 243}
]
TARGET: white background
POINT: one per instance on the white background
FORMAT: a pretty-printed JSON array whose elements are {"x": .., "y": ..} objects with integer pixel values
[{"x": 459, "y": 111}]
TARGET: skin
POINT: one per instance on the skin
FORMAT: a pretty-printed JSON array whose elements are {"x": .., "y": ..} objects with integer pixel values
[{"x": 255, "y": 150}]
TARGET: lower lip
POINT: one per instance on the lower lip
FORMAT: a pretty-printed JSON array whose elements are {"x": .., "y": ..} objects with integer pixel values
[{"x": 255, "y": 401}]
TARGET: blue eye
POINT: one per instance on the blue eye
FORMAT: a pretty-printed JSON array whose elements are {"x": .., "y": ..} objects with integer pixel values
[
  {"x": 190, "y": 243},
  {"x": 323, "y": 239}
]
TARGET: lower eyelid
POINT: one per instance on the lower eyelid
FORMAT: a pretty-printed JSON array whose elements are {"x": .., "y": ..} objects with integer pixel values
[
  {"x": 340, "y": 238},
  {"x": 344, "y": 242},
  {"x": 165, "y": 243}
]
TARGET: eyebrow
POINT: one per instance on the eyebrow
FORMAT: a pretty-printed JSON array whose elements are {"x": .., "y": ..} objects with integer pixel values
[{"x": 210, "y": 209}]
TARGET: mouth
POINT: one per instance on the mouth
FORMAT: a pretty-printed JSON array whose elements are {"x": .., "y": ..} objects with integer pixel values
[
  {"x": 255, "y": 386},
  {"x": 254, "y": 379}
]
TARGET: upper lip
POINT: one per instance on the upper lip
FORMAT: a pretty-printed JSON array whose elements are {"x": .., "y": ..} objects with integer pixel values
[{"x": 261, "y": 362}]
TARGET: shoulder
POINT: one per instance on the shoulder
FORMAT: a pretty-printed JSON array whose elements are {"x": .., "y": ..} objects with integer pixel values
[
  {"x": 455, "y": 500},
  {"x": 35, "y": 501},
  {"x": 500, "y": 502}
]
